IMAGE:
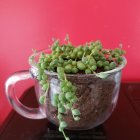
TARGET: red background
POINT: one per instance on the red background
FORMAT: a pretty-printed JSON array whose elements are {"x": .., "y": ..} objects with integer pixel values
[{"x": 32, "y": 23}]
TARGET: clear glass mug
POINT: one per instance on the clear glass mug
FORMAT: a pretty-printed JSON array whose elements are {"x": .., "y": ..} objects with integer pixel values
[{"x": 97, "y": 97}]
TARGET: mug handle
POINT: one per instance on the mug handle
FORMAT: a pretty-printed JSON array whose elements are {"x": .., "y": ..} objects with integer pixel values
[{"x": 32, "y": 113}]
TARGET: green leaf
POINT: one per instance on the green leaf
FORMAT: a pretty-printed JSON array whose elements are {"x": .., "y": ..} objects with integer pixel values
[
  {"x": 76, "y": 118},
  {"x": 60, "y": 69},
  {"x": 62, "y": 97},
  {"x": 74, "y": 99},
  {"x": 69, "y": 105},
  {"x": 59, "y": 116},
  {"x": 68, "y": 95},
  {"x": 102, "y": 75},
  {"x": 45, "y": 86},
  {"x": 42, "y": 99},
  {"x": 63, "y": 124},
  {"x": 76, "y": 112},
  {"x": 61, "y": 109}
]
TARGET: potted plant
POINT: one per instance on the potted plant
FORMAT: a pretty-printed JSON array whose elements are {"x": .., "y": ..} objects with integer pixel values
[{"x": 77, "y": 87}]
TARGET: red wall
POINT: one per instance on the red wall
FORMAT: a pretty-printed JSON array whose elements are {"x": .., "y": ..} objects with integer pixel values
[{"x": 32, "y": 23}]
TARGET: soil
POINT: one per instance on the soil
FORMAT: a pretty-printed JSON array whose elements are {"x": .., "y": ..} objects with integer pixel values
[{"x": 96, "y": 100}]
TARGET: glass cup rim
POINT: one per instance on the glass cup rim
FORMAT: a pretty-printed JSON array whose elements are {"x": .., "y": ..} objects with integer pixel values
[{"x": 33, "y": 64}]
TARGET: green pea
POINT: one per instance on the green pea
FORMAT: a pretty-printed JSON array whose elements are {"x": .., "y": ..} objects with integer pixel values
[
  {"x": 73, "y": 100},
  {"x": 47, "y": 59},
  {"x": 81, "y": 65},
  {"x": 103, "y": 58},
  {"x": 106, "y": 63},
  {"x": 116, "y": 55},
  {"x": 73, "y": 55},
  {"x": 65, "y": 89},
  {"x": 69, "y": 84},
  {"x": 75, "y": 112},
  {"x": 59, "y": 105},
  {"x": 88, "y": 57},
  {"x": 61, "y": 60},
  {"x": 75, "y": 50},
  {"x": 118, "y": 51},
  {"x": 91, "y": 47},
  {"x": 88, "y": 71},
  {"x": 65, "y": 63},
  {"x": 68, "y": 95},
  {"x": 96, "y": 58},
  {"x": 44, "y": 77},
  {"x": 69, "y": 105},
  {"x": 68, "y": 68},
  {"x": 95, "y": 52},
  {"x": 119, "y": 59},
  {"x": 80, "y": 54},
  {"x": 92, "y": 61},
  {"x": 43, "y": 65},
  {"x": 68, "y": 49},
  {"x": 74, "y": 63},
  {"x": 84, "y": 60},
  {"x": 86, "y": 49},
  {"x": 104, "y": 51},
  {"x": 55, "y": 56},
  {"x": 52, "y": 64},
  {"x": 61, "y": 110},
  {"x": 55, "y": 103},
  {"x": 45, "y": 86},
  {"x": 62, "y": 84},
  {"x": 106, "y": 68},
  {"x": 76, "y": 118},
  {"x": 59, "y": 117},
  {"x": 99, "y": 64},
  {"x": 63, "y": 48},
  {"x": 74, "y": 70},
  {"x": 58, "y": 49},
  {"x": 62, "y": 97},
  {"x": 61, "y": 76},
  {"x": 63, "y": 124},
  {"x": 42, "y": 99},
  {"x": 112, "y": 65},
  {"x": 64, "y": 55},
  {"x": 94, "y": 67},
  {"x": 60, "y": 70},
  {"x": 55, "y": 61}
]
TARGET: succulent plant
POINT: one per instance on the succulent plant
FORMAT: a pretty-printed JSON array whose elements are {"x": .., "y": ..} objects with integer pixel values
[{"x": 64, "y": 59}]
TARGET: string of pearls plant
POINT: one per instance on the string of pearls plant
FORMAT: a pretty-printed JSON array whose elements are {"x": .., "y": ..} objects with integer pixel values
[{"x": 66, "y": 58}]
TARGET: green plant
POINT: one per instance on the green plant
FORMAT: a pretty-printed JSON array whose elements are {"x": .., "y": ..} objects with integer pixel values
[{"x": 64, "y": 59}]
